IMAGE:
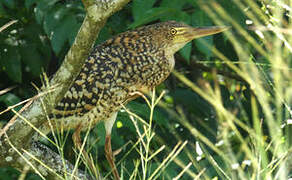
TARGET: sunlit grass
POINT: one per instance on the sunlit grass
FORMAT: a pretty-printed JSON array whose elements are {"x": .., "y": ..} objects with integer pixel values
[
  {"x": 265, "y": 155},
  {"x": 146, "y": 136}
]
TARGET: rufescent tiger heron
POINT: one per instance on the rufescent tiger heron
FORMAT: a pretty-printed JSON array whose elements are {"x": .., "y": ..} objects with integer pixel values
[{"x": 133, "y": 61}]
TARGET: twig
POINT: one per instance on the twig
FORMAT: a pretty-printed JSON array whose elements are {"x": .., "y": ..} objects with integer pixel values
[
  {"x": 287, "y": 31},
  {"x": 6, "y": 90},
  {"x": 28, "y": 103},
  {"x": 24, "y": 173},
  {"x": 182, "y": 172},
  {"x": 7, "y": 25},
  {"x": 10, "y": 123}
]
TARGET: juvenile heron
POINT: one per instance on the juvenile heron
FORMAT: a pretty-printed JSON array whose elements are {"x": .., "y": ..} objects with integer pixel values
[{"x": 133, "y": 61}]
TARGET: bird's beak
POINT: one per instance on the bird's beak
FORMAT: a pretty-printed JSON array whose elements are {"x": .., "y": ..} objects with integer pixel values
[
  {"x": 198, "y": 32},
  {"x": 187, "y": 34}
]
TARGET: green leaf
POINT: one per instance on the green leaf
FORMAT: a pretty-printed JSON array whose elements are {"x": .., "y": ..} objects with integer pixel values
[
  {"x": 193, "y": 102},
  {"x": 233, "y": 10},
  {"x": 9, "y": 99},
  {"x": 60, "y": 35},
  {"x": 11, "y": 64},
  {"x": 32, "y": 59},
  {"x": 177, "y": 15},
  {"x": 2, "y": 10},
  {"x": 151, "y": 15},
  {"x": 38, "y": 51},
  {"x": 140, "y": 7},
  {"x": 176, "y": 4},
  {"x": 186, "y": 52},
  {"x": 54, "y": 18},
  {"x": 103, "y": 35},
  {"x": 74, "y": 27},
  {"x": 43, "y": 6},
  {"x": 9, "y": 3},
  {"x": 29, "y": 3},
  {"x": 200, "y": 18},
  {"x": 9, "y": 173},
  {"x": 194, "y": 4},
  {"x": 124, "y": 118},
  {"x": 39, "y": 15},
  {"x": 204, "y": 44}
]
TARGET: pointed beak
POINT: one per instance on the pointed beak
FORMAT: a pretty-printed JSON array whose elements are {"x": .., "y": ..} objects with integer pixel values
[
  {"x": 187, "y": 33},
  {"x": 194, "y": 33}
]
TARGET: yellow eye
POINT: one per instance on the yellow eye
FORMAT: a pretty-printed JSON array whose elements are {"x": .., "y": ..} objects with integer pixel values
[{"x": 173, "y": 31}]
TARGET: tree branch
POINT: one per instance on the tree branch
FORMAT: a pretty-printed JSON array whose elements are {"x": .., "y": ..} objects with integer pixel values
[
  {"x": 19, "y": 132},
  {"x": 55, "y": 162}
]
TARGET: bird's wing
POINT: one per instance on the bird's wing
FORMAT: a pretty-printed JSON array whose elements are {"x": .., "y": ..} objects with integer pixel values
[{"x": 81, "y": 97}]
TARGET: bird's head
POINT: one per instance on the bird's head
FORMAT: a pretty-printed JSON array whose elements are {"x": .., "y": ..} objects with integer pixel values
[{"x": 172, "y": 35}]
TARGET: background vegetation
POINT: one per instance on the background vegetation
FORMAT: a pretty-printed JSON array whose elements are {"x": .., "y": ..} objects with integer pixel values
[{"x": 224, "y": 114}]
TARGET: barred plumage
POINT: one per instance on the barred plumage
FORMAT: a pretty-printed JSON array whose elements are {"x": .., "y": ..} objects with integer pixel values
[{"x": 133, "y": 61}]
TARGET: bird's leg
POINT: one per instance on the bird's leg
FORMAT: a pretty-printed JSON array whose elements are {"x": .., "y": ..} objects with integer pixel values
[
  {"x": 109, "y": 156},
  {"x": 108, "y": 148},
  {"x": 78, "y": 143}
]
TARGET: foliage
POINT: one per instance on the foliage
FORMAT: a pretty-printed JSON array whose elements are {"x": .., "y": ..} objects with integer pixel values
[{"x": 229, "y": 98}]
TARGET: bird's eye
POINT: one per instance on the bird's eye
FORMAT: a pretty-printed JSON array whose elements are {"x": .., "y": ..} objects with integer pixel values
[{"x": 173, "y": 31}]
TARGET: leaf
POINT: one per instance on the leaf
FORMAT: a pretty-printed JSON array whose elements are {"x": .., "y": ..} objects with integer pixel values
[
  {"x": 9, "y": 3},
  {"x": 43, "y": 6},
  {"x": 11, "y": 64},
  {"x": 186, "y": 51},
  {"x": 140, "y": 7},
  {"x": 233, "y": 10},
  {"x": 103, "y": 35},
  {"x": 32, "y": 59},
  {"x": 177, "y": 15},
  {"x": 204, "y": 44},
  {"x": 176, "y": 4},
  {"x": 9, "y": 99},
  {"x": 38, "y": 51},
  {"x": 124, "y": 118},
  {"x": 193, "y": 3},
  {"x": 199, "y": 18},
  {"x": 29, "y": 3},
  {"x": 151, "y": 15},
  {"x": 39, "y": 15},
  {"x": 74, "y": 27},
  {"x": 9, "y": 173},
  {"x": 99, "y": 131},
  {"x": 60, "y": 35},
  {"x": 53, "y": 19},
  {"x": 193, "y": 102},
  {"x": 2, "y": 10}
]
